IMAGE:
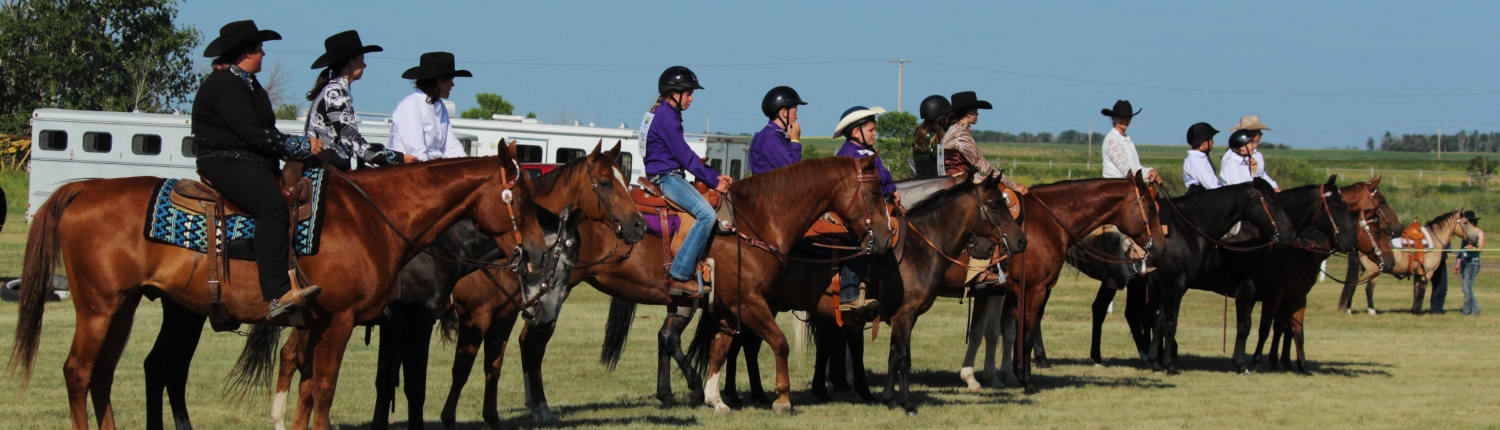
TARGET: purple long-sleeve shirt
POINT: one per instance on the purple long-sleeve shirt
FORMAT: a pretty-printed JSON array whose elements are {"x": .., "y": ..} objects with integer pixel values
[
  {"x": 771, "y": 149},
  {"x": 667, "y": 149},
  {"x": 853, "y": 149}
]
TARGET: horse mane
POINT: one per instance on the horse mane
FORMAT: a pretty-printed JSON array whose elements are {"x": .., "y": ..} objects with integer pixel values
[
  {"x": 546, "y": 182},
  {"x": 777, "y": 182},
  {"x": 1075, "y": 182},
  {"x": 940, "y": 198},
  {"x": 1212, "y": 198},
  {"x": 1445, "y": 217}
]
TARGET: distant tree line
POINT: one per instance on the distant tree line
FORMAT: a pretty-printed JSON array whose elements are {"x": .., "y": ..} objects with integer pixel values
[
  {"x": 1463, "y": 141},
  {"x": 1069, "y": 137}
]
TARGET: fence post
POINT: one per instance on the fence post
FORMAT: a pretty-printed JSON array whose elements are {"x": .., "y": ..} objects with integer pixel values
[
  {"x": 1372, "y": 171},
  {"x": 1070, "y": 173},
  {"x": 1419, "y": 175},
  {"x": 1013, "y": 164}
]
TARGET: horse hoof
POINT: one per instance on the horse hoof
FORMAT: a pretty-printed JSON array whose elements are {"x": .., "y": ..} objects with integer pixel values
[
  {"x": 822, "y": 396},
  {"x": 1371, "y": 311},
  {"x": 782, "y": 408},
  {"x": 1043, "y": 364},
  {"x": 1031, "y": 390},
  {"x": 911, "y": 412},
  {"x": 1172, "y": 371},
  {"x": 866, "y": 397},
  {"x": 722, "y": 410},
  {"x": 967, "y": 375},
  {"x": 1098, "y": 365},
  {"x": 543, "y": 415}
]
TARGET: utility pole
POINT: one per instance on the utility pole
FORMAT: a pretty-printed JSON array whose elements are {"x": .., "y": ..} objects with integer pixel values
[
  {"x": 708, "y": 127},
  {"x": 900, "y": 76},
  {"x": 1440, "y": 142},
  {"x": 1091, "y": 140}
]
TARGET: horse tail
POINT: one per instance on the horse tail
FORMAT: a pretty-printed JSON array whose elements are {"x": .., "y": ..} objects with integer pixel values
[
  {"x": 448, "y": 326},
  {"x": 616, "y": 331},
  {"x": 36, "y": 278},
  {"x": 700, "y": 349},
  {"x": 257, "y": 362}
]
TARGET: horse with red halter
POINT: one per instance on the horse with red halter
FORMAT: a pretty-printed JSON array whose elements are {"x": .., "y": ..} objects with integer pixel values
[
  {"x": 383, "y": 218},
  {"x": 1376, "y": 213},
  {"x": 1298, "y": 269},
  {"x": 1058, "y": 216},
  {"x": 771, "y": 209}
]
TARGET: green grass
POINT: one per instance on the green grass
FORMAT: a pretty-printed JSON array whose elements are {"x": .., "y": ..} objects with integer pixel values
[{"x": 1394, "y": 370}]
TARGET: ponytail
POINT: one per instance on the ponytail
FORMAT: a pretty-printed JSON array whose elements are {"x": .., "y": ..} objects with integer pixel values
[
  {"x": 659, "y": 99},
  {"x": 927, "y": 136},
  {"x": 325, "y": 77}
]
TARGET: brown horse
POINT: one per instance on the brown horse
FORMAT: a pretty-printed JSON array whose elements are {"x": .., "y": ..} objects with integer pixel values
[
  {"x": 937, "y": 231},
  {"x": 94, "y": 226},
  {"x": 592, "y": 184},
  {"x": 1058, "y": 216},
  {"x": 1375, "y": 213},
  {"x": 771, "y": 210}
]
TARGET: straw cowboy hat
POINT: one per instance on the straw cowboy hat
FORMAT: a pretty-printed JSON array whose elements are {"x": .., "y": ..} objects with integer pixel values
[
  {"x": 236, "y": 35},
  {"x": 855, "y": 115},
  {"x": 342, "y": 46},
  {"x": 1249, "y": 122}
]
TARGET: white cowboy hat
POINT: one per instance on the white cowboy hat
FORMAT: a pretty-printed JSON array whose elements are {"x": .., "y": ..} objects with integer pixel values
[{"x": 854, "y": 115}]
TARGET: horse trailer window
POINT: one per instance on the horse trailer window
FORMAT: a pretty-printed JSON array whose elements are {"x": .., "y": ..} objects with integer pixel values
[
  {"x": 626, "y": 163},
  {"x": 96, "y": 142},
  {"x": 145, "y": 144},
  {"x": 529, "y": 153},
  {"x": 734, "y": 169},
  {"x": 52, "y": 140},
  {"x": 565, "y": 155},
  {"x": 716, "y": 164},
  {"x": 189, "y": 149}
]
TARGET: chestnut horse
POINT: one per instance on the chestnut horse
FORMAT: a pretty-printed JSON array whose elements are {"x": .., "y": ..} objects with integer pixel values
[
  {"x": 1057, "y": 217},
  {"x": 593, "y": 184},
  {"x": 94, "y": 226},
  {"x": 771, "y": 210}
]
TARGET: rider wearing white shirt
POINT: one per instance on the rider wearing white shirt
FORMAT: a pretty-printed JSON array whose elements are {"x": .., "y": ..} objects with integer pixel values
[
  {"x": 1242, "y": 163},
  {"x": 420, "y": 126},
  {"x": 1120, "y": 157},
  {"x": 1196, "y": 168}
]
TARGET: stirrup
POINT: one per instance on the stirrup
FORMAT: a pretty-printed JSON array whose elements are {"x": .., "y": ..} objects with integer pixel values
[{"x": 295, "y": 301}]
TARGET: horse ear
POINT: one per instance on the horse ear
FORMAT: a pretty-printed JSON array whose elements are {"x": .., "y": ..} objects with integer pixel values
[
  {"x": 865, "y": 163},
  {"x": 1375, "y": 182},
  {"x": 597, "y": 146},
  {"x": 614, "y": 153},
  {"x": 1333, "y": 180}
]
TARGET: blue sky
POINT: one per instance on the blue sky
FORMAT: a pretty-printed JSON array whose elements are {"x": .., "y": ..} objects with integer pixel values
[{"x": 1319, "y": 73}]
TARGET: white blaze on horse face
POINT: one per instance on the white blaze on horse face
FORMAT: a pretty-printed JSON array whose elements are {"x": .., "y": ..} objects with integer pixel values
[{"x": 619, "y": 176}]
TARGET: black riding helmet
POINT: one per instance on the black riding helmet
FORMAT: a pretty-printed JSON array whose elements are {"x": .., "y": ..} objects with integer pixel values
[
  {"x": 934, "y": 106},
  {"x": 677, "y": 78},
  {"x": 778, "y": 98},
  {"x": 1240, "y": 138}
]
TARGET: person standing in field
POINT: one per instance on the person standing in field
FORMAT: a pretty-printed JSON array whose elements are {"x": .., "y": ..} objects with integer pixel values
[
  {"x": 780, "y": 142},
  {"x": 1467, "y": 266},
  {"x": 1197, "y": 169},
  {"x": 1243, "y": 162}
]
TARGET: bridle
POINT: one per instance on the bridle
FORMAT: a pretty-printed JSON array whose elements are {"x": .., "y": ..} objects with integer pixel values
[
  {"x": 866, "y": 247},
  {"x": 1098, "y": 254},
  {"x": 1275, "y": 235},
  {"x": 983, "y": 214}
]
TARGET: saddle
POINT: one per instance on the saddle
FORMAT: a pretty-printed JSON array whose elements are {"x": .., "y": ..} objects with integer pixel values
[
  {"x": 1415, "y": 236},
  {"x": 200, "y": 197}
]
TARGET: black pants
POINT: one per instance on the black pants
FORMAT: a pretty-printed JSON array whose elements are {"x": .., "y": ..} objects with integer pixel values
[{"x": 255, "y": 188}]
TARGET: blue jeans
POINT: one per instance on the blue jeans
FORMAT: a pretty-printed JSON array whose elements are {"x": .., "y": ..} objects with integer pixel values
[
  {"x": 679, "y": 191},
  {"x": 1440, "y": 285},
  {"x": 851, "y": 271},
  {"x": 1468, "y": 272}
]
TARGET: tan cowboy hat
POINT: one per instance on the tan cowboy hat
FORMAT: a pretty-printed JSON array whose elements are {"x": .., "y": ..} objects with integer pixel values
[{"x": 1249, "y": 122}]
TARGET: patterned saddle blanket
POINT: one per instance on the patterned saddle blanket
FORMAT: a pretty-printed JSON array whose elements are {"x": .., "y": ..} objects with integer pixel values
[{"x": 171, "y": 219}]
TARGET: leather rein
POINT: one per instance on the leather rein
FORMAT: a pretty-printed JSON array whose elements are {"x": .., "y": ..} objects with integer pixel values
[
  {"x": 1099, "y": 254},
  {"x": 866, "y": 248}
]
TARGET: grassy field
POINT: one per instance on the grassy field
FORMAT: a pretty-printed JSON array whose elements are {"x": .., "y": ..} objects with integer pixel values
[{"x": 1394, "y": 370}]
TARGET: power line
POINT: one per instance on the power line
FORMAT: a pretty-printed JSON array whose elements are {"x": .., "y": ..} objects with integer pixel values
[
  {"x": 545, "y": 64},
  {"x": 1208, "y": 90}
]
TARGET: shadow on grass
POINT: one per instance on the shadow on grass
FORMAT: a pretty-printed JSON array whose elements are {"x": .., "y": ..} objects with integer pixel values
[
  {"x": 1223, "y": 364},
  {"x": 521, "y": 418}
]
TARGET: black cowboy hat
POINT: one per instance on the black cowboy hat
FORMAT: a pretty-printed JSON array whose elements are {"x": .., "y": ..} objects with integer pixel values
[
  {"x": 1200, "y": 132},
  {"x": 435, "y": 65},
  {"x": 965, "y": 100},
  {"x": 1122, "y": 108},
  {"x": 1473, "y": 219},
  {"x": 235, "y": 35},
  {"x": 342, "y": 46}
]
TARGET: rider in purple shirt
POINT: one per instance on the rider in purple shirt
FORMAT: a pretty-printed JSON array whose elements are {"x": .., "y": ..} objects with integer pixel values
[
  {"x": 667, "y": 157},
  {"x": 779, "y": 143},
  {"x": 858, "y": 125}
]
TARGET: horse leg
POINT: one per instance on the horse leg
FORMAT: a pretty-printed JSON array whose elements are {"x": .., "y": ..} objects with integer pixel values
[
  {"x": 495, "y": 341},
  {"x": 533, "y": 348},
  {"x": 1102, "y": 300},
  {"x": 1297, "y": 329},
  {"x": 1267, "y": 318},
  {"x": 757, "y": 317},
  {"x": 669, "y": 349},
  {"x": 97, "y": 344},
  {"x": 416, "y": 337},
  {"x": 1040, "y": 351},
  {"x": 1351, "y": 283},
  {"x": 854, "y": 337},
  {"x": 975, "y": 335},
  {"x": 387, "y": 369},
  {"x": 1138, "y": 316},
  {"x": 991, "y": 332},
  {"x": 838, "y": 359},
  {"x": 1171, "y": 310},
  {"x": 1286, "y": 346},
  {"x": 718, "y": 352},
  {"x": 1370, "y": 297},
  {"x": 1418, "y": 291},
  {"x": 751, "y": 344},
  {"x": 167, "y": 365},
  {"x": 291, "y": 362},
  {"x": 327, "y": 343},
  {"x": 823, "y": 340},
  {"x": 471, "y": 333},
  {"x": 1244, "y": 305},
  {"x": 730, "y": 394}
]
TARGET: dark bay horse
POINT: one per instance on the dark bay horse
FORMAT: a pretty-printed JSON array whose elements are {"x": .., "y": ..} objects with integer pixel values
[
  {"x": 94, "y": 226},
  {"x": 1057, "y": 216},
  {"x": 1196, "y": 223},
  {"x": 1312, "y": 208},
  {"x": 1297, "y": 273}
]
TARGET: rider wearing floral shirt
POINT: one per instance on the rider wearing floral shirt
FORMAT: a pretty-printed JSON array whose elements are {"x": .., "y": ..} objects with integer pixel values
[{"x": 331, "y": 117}]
